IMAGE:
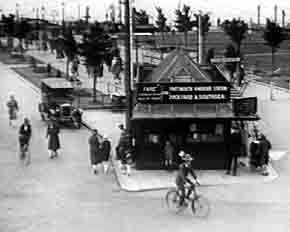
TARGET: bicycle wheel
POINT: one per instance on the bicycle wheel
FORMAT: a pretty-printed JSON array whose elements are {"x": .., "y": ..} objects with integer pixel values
[
  {"x": 173, "y": 201},
  {"x": 200, "y": 206}
]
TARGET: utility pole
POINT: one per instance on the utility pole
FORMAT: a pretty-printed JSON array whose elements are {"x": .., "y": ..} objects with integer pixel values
[
  {"x": 127, "y": 63},
  {"x": 62, "y": 4},
  {"x": 275, "y": 13},
  {"x": 200, "y": 39},
  {"x": 283, "y": 18},
  {"x": 120, "y": 11},
  {"x": 43, "y": 13},
  {"x": 259, "y": 14},
  {"x": 79, "y": 12},
  {"x": 17, "y": 11},
  {"x": 87, "y": 15}
]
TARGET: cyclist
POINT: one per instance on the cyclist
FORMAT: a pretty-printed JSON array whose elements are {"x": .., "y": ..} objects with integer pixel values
[{"x": 184, "y": 171}]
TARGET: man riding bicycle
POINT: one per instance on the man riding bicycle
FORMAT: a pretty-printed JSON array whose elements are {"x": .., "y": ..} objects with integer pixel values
[{"x": 184, "y": 171}]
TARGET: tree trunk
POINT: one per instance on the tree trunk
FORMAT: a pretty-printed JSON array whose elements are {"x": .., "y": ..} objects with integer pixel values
[
  {"x": 67, "y": 68},
  {"x": 185, "y": 38},
  {"x": 95, "y": 88},
  {"x": 273, "y": 59}
]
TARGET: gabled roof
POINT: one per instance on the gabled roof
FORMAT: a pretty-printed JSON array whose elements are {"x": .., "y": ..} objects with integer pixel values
[{"x": 178, "y": 67}]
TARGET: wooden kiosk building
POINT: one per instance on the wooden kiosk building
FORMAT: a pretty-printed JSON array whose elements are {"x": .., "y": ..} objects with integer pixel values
[{"x": 181, "y": 102}]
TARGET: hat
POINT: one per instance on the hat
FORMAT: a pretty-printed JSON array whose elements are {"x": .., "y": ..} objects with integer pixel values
[
  {"x": 188, "y": 157},
  {"x": 181, "y": 154}
]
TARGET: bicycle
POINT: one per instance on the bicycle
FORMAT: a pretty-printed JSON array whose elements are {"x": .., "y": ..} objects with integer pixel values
[{"x": 199, "y": 205}]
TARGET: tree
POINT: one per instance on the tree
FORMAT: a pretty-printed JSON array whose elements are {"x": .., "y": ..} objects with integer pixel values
[
  {"x": 230, "y": 51},
  {"x": 236, "y": 30},
  {"x": 183, "y": 22},
  {"x": 22, "y": 29},
  {"x": 9, "y": 28},
  {"x": 161, "y": 22},
  {"x": 70, "y": 48},
  {"x": 273, "y": 36},
  {"x": 141, "y": 17},
  {"x": 95, "y": 47}
]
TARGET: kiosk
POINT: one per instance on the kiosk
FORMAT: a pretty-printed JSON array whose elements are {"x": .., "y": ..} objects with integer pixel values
[{"x": 181, "y": 103}]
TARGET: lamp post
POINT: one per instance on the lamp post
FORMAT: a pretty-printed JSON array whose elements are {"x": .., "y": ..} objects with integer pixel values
[
  {"x": 17, "y": 11},
  {"x": 62, "y": 12},
  {"x": 127, "y": 65}
]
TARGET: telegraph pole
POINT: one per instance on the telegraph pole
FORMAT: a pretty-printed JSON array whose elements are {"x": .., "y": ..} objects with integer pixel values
[
  {"x": 127, "y": 70},
  {"x": 283, "y": 18},
  {"x": 259, "y": 14},
  {"x": 275, "y": 13}
]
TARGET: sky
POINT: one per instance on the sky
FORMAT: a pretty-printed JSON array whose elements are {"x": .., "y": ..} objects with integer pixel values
[{"x": 225, "y": 9}]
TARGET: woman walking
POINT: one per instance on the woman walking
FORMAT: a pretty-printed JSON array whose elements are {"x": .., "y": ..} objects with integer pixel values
[
  {"x": 94, "y": 143},
  {"x": 13, "y": 108},
  {"x": 105, "y": 153},
  {"x": 168, "y": 154},
  {"x": 24, "y": 138},
  {"x": 53, "y": 139}
]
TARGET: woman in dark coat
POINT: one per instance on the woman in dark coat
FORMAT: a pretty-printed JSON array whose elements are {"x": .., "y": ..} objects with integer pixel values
[
  {"x": 53, "y": 139},
  {"x": 95, "y": 155},
  {"x": 105, "y": 152}
]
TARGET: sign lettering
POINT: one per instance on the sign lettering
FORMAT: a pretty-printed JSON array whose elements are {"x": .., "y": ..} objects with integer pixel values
[{"x": 183, "y": 93}]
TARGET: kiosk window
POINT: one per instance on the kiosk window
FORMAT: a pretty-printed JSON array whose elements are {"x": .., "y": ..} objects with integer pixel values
[
  {"x": 205, "y": 133},
  {"x": 153, "y": 138}
]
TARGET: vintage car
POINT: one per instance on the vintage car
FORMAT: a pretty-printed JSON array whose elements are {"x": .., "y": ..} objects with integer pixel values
[
  {"x": 118, "y": 101},
  {"x": 57, "y": 102}
]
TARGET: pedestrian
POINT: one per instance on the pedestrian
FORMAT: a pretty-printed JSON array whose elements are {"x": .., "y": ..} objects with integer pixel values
[
  {"x": 105, "y": 150},
  {"x": 13, "y": 108},
  {"x": 235, "y": 147},
  {"x": 94, "y": 143},
  {"x": 53, "y": 138},
  {"x": 24, "y": 139},
  {"x": 263, "y": 150},
  {"x": 168, "y": 154}
]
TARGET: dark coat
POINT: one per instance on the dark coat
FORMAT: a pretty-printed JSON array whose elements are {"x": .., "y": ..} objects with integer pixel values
[
  {"x": 24, "y": 134},
  {"x": 95, "y": 149},
  {"x": 105, "y": 150},
  {"x": 235, "y": 145},
  {"x": 263, "y": 150},
  {"x": 53, "y": 138}
]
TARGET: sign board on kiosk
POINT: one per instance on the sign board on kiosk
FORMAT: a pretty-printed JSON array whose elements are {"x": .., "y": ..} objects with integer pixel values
[
  {"x": 183, "y": 93},
  {"x": 245, "y": 106}
]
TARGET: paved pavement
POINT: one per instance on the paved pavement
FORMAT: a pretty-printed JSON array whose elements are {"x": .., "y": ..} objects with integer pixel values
[{"x": 106, "y": 84}]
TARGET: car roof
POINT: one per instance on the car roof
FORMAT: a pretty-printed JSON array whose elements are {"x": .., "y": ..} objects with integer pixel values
[{"x": 57, "y": 83}]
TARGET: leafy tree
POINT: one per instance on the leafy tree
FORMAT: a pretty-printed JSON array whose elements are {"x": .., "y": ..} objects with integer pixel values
[
  {"x": 141, "y": 17},
  {"x": 70, "y": 48},
  {"x": 273, "y": 36},
  {"x": 183, "y": 22},
  {"x": 95, "y": 48},
  {"x": 9, "y": 28},
  {"x": 236, "y": 30},
  {"x": 161, "y": 22},
  {"x": 230, "y": 52},
  {"x": 22, "y": 29}
]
